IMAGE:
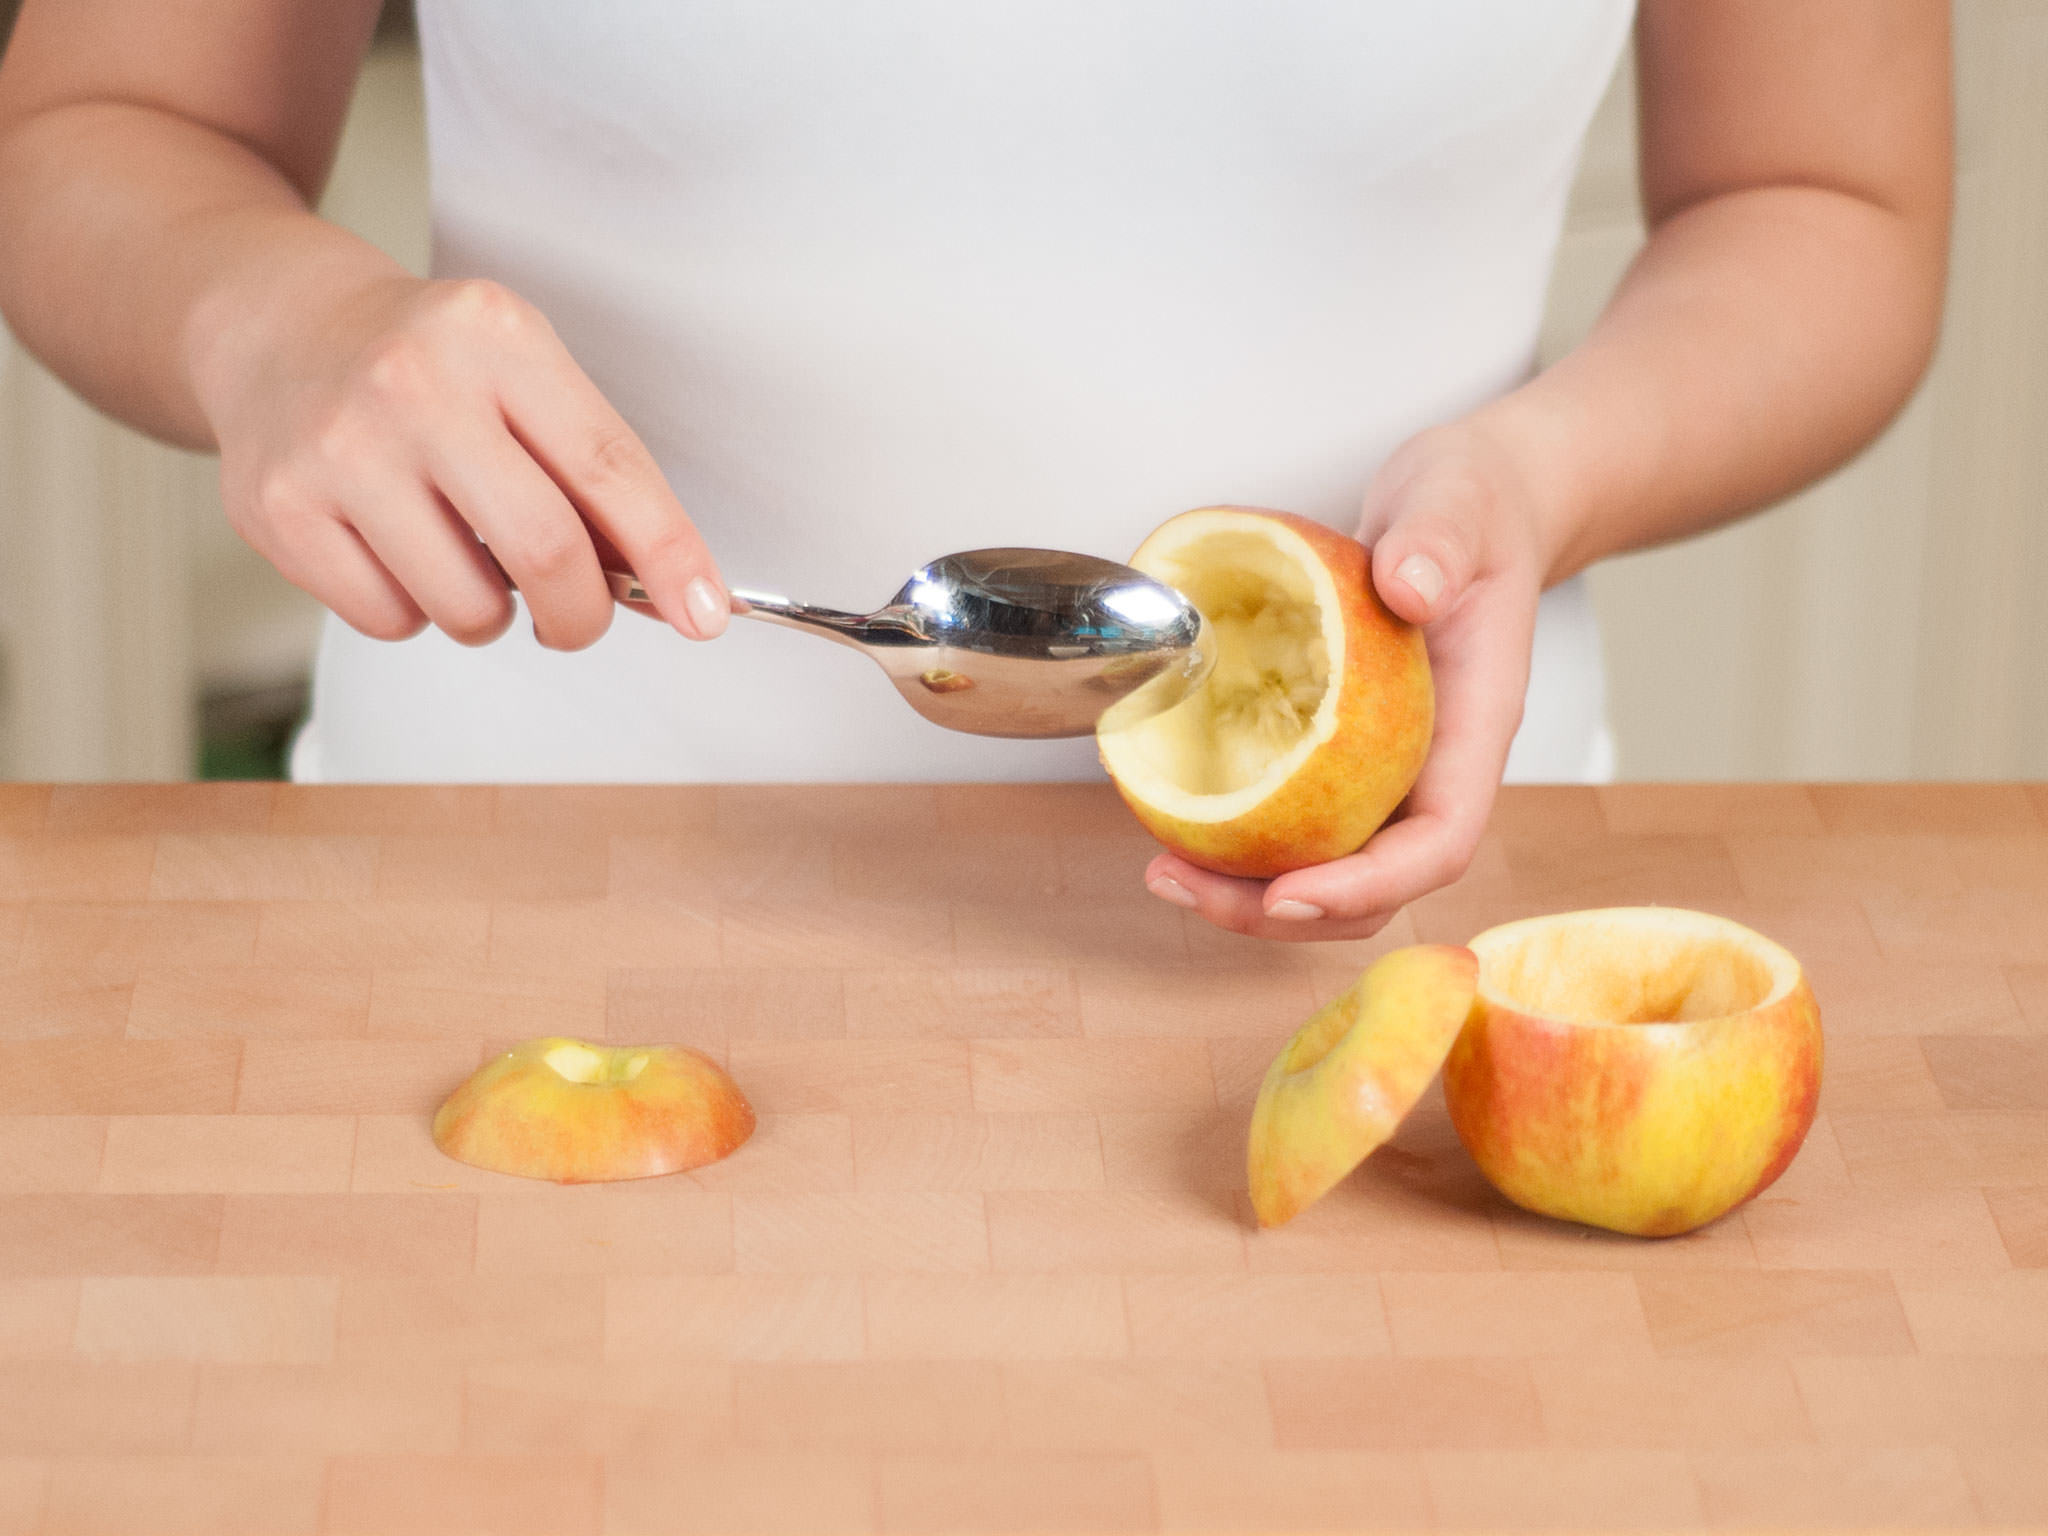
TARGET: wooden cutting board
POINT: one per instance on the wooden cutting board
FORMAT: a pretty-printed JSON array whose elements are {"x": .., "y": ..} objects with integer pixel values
[{"x": 987, "y": 1263}]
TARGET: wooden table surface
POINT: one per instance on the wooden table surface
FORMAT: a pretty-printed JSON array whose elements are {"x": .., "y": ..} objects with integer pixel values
[{"x": 987, "y": 1262}]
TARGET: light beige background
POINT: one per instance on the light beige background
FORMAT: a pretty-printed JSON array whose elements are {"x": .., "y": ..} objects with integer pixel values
[{"x": 1885, "y": 624}]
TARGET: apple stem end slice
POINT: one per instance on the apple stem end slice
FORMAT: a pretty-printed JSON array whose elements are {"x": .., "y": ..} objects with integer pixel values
[{"x": 578, "y": 1113}]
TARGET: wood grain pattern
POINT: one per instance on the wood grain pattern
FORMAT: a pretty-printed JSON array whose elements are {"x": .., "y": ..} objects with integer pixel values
[{"x": 987, "y": 1263}]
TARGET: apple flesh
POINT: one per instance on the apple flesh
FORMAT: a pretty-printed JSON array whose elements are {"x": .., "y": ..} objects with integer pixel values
[
  {"x": 1642, "y": 1069},
  {"x": 1352, "y": 1072},
  {"x": 578, "y": 1113},
  {"x": 1315, "y": 719}
]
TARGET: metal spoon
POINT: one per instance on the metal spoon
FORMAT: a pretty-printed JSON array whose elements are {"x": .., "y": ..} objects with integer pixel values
[{"x": 1015, "y": 642}]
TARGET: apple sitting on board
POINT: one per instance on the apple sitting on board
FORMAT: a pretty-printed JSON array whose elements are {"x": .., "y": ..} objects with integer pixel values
[
  {"x": 1315, "y": 719},
  {"x": 578, "y": 1113},
  {"x": 1642, "y": 1069}
]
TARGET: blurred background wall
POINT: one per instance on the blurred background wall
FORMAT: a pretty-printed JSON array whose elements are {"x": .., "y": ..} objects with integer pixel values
[{"x": 1884, "y": 624}]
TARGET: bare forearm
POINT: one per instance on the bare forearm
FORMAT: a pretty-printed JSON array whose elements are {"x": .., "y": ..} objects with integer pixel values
[
  {"x": 1761, "y": 338},
  {"x": 144, "y": 251}
]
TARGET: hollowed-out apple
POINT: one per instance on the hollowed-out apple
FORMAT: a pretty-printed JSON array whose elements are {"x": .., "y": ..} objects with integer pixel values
[
  {"x": 1644, "y": 1069},
  {"x": 1315, "y": 720},
  {"x": 579, "y": 1113}
]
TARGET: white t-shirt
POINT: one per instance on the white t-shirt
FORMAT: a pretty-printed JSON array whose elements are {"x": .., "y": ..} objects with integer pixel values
[{"x": 880, "y": 279}]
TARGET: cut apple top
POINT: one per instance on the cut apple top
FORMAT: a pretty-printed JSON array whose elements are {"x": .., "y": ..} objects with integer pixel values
[
  {"x": 1278, "y": 624},
  {"x": 1632, "y": 965},
  {"x": 579, "y": 1113},
  {"x": 1350, "y": 1075}
]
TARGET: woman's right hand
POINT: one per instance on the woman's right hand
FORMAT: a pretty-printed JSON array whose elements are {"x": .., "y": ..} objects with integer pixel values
[{"x": 374, "y": 448}]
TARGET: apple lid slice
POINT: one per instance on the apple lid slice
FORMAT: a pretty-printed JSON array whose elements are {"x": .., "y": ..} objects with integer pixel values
[
  {"x": 579, "y": 1113},
  {"x": 1350, "y": 1075}
]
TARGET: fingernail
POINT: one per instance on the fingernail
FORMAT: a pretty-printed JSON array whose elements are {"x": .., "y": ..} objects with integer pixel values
[
  {"x": 1168, "y": 889},
  {"x": 1420, "y": 572},
  {"x": 1294, "y": 911},
  {"x": 708, "y": 611}
]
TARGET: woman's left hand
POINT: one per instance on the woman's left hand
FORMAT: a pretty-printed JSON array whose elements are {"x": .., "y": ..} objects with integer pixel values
[{"x": 1457, "y": 547}]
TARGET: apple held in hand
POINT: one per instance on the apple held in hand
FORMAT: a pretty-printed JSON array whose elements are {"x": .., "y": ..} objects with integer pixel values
[
  {"x": 1317, "y": 715},
  {"x": 1352, "y": 1072},
  {"x": 1644, "y": 1069},
  {"x": 578, "y": 1113}
]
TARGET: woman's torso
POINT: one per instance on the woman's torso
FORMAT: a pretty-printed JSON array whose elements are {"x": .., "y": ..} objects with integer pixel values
[{"x": 876, "y": 281}]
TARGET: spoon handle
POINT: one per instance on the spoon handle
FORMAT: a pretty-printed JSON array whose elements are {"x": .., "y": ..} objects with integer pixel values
[
  {"x": 855, "y": 629},
  {"x": 626, "y": 587}
]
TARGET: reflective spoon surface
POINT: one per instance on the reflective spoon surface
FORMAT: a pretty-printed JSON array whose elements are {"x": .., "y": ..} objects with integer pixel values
[{"x": 1015, "y": 642}]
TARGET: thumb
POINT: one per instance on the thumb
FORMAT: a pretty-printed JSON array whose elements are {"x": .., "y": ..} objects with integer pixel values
[{"x": 1424, "y": 561}]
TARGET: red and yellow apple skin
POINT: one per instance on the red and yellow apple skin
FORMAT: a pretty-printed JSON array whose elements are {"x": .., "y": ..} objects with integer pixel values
[
  {"x": 1633, "y": 1116},
  {"x": 579, "y": 1113},
  {"x": 1352, "y": 782},
  {"x": 1344, "y": 1082}
]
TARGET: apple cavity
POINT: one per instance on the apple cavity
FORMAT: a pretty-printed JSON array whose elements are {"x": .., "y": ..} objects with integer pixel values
[{"x": 579, "y": 1113}]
